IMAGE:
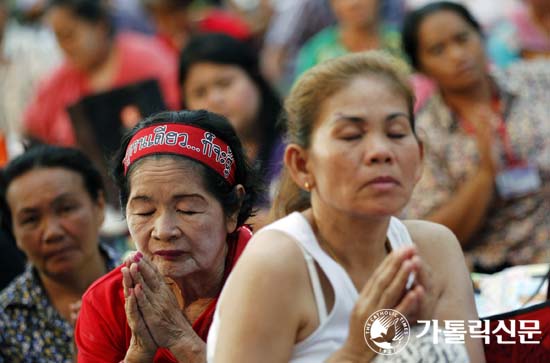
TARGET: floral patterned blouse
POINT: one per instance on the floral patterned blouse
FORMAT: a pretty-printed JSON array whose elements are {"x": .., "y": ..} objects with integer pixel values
[
  {"x": 31, "y": 329},
  {"x": 515, "y": 231}
]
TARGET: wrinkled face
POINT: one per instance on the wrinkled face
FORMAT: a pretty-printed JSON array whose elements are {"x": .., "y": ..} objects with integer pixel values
[
  {"x": 55, "y": 221},
  {"x": 450, "y": 51},
  {"x": 82, "y": 42},
  {"x": 173, "y": 219},
  {"x": 223, "y": 89},
  {"x": 355, "y": 13},
  {"x": 364, "y": 158}
]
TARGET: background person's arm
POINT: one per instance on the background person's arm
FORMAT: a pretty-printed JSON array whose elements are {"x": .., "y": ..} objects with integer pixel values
[
  {"x": 465, "y": 212},
  {"x": 467, "y": 209}
]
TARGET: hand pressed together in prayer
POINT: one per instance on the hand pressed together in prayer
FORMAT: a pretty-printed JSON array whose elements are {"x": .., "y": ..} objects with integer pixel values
[
  {"x": 155, "y": 316},
  {"x": 386, "y": 289},
  {"x": 485, "y": 122}
]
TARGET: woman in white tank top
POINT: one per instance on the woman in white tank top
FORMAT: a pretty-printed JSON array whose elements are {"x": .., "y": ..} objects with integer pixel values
[{"x": 306, "y": 285}]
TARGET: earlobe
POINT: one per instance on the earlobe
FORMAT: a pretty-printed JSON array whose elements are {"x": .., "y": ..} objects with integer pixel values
[{"x": 295, "y": 160}]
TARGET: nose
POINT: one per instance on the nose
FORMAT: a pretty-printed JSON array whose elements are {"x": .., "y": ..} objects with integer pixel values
[
  {"x": 215, "y": 99},
  {"x": 53, "y": 230},
  {"x": 457, "y": 52},
  {"x": 378, "y": 151},
  {"x": 166, "y": 227}
]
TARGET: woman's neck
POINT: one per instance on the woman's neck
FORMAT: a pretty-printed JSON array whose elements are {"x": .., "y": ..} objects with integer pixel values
[
  {"x": 356, "y": 39},
  {"x": 69, "y": 288},
  {"x": 102, "y": 74},
  {"x": 203, "y": 284},
  {"x": 462, "y": 100},
  {"x": 355, "y": 241}
]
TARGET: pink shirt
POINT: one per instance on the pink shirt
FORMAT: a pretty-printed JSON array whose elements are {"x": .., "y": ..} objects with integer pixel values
[{"x": 140, "y": 57}]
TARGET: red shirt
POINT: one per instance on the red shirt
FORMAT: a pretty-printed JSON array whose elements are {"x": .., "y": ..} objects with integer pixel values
[
  {"x": 140, "y": 57},
  {"x": 102, "y": 333}
]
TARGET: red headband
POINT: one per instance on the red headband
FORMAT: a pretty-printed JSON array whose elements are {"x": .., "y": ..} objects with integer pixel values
[{"x": 186, "y": 140}]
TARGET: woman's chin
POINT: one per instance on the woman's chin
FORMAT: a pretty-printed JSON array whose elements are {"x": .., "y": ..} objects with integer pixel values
[{"x": 173, "y": 270}]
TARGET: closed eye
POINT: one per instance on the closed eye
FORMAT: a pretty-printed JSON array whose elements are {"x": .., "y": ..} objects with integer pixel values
[
  {"x": 144, "y": 214},
  {"x": 187, "y": 212},
  {"x": 28, "y": 220}
]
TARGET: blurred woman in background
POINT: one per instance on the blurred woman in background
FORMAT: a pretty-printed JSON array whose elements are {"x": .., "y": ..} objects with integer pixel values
[
  {"x": 487, "y": 142},
  {"x": 52, "y": 200},
  {"x": 221, "y": 74},
  {"x": 359, "y": 28},
  {"x": 96, "y": 60}
]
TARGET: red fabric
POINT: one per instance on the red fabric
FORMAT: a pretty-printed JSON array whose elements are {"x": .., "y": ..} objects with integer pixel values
[
  {"x": 517, "y": 352},
  {"x": 140, "y": 57},
  {"x": 220, "y": 21},
  {"x": 185, "y": 140},
  {"x": 102, "y": 333}
]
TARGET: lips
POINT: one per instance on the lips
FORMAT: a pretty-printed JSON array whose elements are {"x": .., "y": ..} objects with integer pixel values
[
  {"x": 383, "y": 184},
  {"x": 60, "y": 252},
  {"x": 465, "y": 68},
  {"x": 169, "y": 254},
  {"x": 384, "y": 180}
]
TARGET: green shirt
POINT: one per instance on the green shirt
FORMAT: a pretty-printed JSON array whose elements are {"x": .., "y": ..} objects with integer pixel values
[{"x": 327, "y": 44}]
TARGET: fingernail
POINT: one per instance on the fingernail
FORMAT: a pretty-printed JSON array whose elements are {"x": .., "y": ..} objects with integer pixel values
[{"x": 137, "y": 257}]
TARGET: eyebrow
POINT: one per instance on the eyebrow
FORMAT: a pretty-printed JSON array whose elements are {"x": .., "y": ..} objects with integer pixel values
[
  {"x": 60, "y": 198},
  {"x": 177, "y": 197},
  {"x": 359, "y": 119}
]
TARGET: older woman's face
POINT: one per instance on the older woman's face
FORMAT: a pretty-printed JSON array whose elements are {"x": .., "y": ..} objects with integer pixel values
[
  {"x": 450, "y": 51},
  {"x": 55, "y": 221},
  {"x": 356, "y": 13},
  {"x": 173, "y": 219},
  {"x": 224, "y": 89},
  {"x": 84, "y": 43},
  {"x": 364, "y": 158}
]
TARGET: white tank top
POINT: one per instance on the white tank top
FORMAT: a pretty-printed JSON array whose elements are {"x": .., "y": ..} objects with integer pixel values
[{"x": 333, "y": 329}]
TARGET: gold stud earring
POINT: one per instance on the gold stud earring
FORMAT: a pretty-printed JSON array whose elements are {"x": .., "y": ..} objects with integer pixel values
[{"x": 307, "y": 186}]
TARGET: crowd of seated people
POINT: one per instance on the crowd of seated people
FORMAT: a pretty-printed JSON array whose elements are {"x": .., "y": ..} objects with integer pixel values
[{"x": 417, "y": 129}]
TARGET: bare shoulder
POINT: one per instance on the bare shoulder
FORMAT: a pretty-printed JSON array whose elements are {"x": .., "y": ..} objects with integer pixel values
[
  {"x": 271, "y": 265},
  {"x": 435, "y": 241},
  {"x": 267, "y": 288},
  {"x": 273, "y": 251}
]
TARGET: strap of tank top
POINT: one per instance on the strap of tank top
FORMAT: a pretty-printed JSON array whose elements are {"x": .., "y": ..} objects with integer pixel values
[
  {"x": 398, "y": 235},
  {"x": 316, "y": 284}
]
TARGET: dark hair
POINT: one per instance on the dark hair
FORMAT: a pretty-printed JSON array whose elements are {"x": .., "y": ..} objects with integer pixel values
[
  {"x": 47, "y": 156},
  {"x": 414, "y": 19},
  {"x": 167, "y": 4},
  {"x": 313, "y": 88},
  {"x": 223, "y": 49},
  {"x": 214, "y": 183},
  {"x": 92, "y": 11}
]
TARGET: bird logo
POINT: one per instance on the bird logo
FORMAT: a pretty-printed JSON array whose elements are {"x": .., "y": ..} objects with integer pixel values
[{"x": 387, "y": 331}]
